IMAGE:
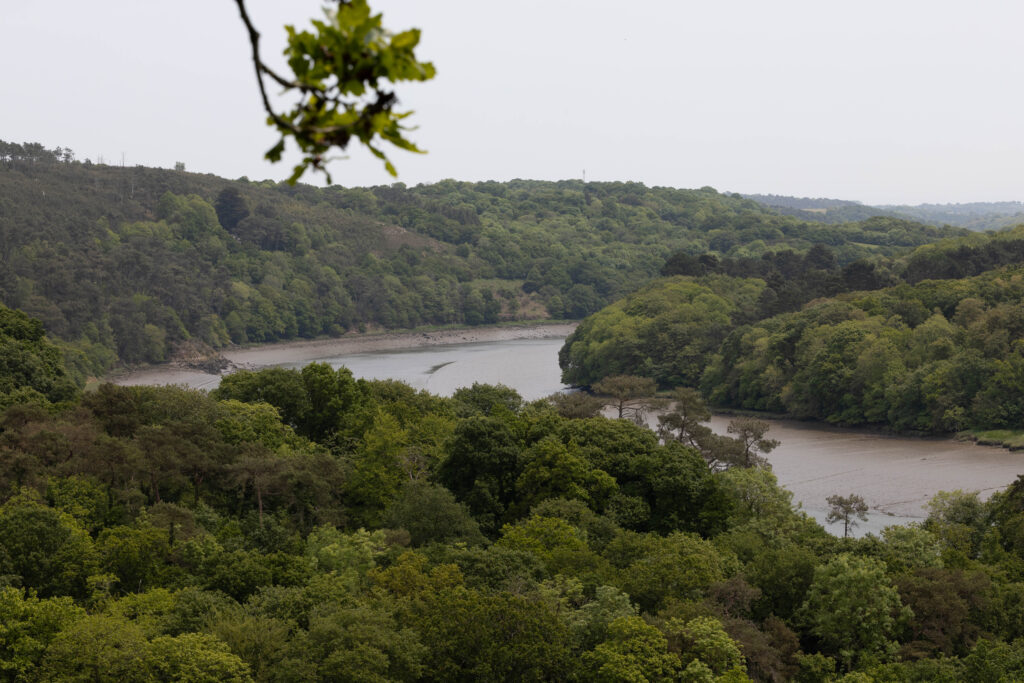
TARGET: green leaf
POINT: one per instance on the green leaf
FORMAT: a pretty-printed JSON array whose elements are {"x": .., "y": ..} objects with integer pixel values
[{"x": 406, "y": 39}]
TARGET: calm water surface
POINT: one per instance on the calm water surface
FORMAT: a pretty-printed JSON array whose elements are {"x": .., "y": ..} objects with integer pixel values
[
  {"x": 895, "y": 475},
  {"x": 530, "y": 366}
]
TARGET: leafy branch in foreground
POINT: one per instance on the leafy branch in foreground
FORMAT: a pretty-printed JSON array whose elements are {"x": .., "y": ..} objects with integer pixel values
[{"x": 342, "y": 72}]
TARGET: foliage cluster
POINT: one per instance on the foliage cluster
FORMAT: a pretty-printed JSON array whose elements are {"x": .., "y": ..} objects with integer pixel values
[
  {"x": 303, "y": 525},
  {"x": 937, "y": 356},
  {"x": 343, "y": 72},
  {"x": 851, "y": 345}
]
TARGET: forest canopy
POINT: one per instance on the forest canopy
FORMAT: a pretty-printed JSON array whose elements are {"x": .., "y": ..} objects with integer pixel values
[
  {"x": 128, "y": 264},
  {"x": 301, "y": 525},
  {"x": 906, "y": 343}
]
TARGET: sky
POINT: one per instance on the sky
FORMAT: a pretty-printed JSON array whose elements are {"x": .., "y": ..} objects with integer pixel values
[{"x": 883, "y": 102}]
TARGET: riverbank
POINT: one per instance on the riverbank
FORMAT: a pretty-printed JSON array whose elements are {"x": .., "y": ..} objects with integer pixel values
[
  {"x": 1012, "y": 439},
  {"x": 293, "y": 352}
]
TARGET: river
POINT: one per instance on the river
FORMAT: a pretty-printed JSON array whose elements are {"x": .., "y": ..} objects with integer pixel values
[
  {"x": 528, "y": 365},
  {"x": 895, "y": 475}
]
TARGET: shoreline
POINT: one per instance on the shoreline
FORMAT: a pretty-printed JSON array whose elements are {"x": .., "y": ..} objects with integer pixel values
[{"x": 308, "y": 350}]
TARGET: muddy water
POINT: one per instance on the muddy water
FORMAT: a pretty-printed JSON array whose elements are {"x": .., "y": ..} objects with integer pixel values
[
  {"x": 528, "y": 365},
  {"x": 895, "y": 475}
]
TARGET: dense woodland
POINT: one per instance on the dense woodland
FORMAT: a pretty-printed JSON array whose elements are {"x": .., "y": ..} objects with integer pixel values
[
  {"x": 127, "y": 264},
  {"x": 303, "y": 525},
  {"x": 927, "y": 342}
]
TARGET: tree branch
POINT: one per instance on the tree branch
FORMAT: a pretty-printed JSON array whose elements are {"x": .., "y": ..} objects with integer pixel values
[{"x": 261, "y": 69}]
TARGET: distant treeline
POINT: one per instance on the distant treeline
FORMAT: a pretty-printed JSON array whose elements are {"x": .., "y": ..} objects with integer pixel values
[
  {"x": 972, "y": 215},
  {"x": 127, "y": 264},
  {"x": 32, "y": 152}
]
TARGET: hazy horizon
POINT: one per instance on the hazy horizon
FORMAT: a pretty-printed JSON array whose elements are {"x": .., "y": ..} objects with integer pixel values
[{"x": 878, "y": 103}]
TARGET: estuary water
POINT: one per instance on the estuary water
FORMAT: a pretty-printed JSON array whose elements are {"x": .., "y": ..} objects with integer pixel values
[
  {"x": 895, "y": 475},
  {"x": 530, "y": 366}
]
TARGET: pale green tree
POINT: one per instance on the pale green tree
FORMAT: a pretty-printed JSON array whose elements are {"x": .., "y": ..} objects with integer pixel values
[
  {"x": 633, "y": 651},
  {"x": 704, "y": 640},
  {"x": 854, "y": 609}
]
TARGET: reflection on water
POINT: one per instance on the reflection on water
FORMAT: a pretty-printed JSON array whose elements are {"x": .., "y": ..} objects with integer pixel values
[{"x": 530, "y": 366}]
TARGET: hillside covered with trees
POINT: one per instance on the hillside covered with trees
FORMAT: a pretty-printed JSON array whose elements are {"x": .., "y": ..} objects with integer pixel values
[
  {"x": 927, "y": 342},
  {"x": 307, "y": 526},
  {"x": 124, "y": 264},
  {"x": 978, "y": 216}
]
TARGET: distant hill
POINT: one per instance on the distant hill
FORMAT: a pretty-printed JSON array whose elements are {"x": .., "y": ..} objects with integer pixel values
[
  {"x": 820, "y": 209},
  {"x": 977, "y": 216},
  {"x": 132, "y": 264},
  {"x": 973, "y": 215}
]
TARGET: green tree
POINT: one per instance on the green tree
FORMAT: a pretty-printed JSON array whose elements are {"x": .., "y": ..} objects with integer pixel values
[
  {"x": 675, "y": 567},
  {"x": 474, "y": 635},
  {"x": 135, "y": 555},
  {"x": 283, "y": 389},
  {"x": 948, "y": 606},
  {"x": 704, "y": 639},
  {"x": 28, "y": 625},
  {"x": 752, "y": 442},
  {"x": 854, "y": 609},
  {"x": 685, "y": 421},
  {"x": 231, "y": 208},
  {"x": 363, "y": 644},
  {"x": 29, "y": 362},
  {"x": 485, "y": 399},
  {"x": 958, "y": 519},
  {"x": 47, "y": 550},
  {"x": 589, "y": 624},
  {"x": 97, "y": 648},
  {"x": 482, "y": 468},
  {"x": 846, "y": 509},
  {"x": 561, "y": 547},
  {"x": 553, "y": 470},
  {"x": 430, "y": 513},
  {"x": 632, "y": 651},
  {"x": 630, "y": 396},
  {"x": 195, "y": 658},
  {"x": 576, "y": 404}
]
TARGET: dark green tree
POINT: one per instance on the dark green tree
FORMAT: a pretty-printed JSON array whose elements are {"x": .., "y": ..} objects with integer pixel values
[{"x": 231, "y": 208}]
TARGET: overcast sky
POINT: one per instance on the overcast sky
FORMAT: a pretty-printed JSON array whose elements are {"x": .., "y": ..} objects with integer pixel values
[{"x": 883, "y": 102}]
